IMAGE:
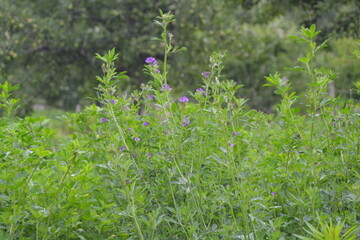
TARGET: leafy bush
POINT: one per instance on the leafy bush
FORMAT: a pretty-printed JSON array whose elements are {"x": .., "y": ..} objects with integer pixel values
[{"x": 203, "y": 166}]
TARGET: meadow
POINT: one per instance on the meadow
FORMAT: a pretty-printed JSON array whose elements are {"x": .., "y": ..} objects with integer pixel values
[{"x": 203, "y": 166}]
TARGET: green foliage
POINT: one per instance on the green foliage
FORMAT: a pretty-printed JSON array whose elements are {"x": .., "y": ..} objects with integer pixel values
[
  {"x": 5, "y": 101},
  {"x": 330, "y": 232},
  {"x": 146, "y": 165}
]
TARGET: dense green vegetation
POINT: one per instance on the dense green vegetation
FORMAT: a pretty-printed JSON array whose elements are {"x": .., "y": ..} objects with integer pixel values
[
  {"x": 147, "y": 165},
  {"x": 48, "y": 46}
]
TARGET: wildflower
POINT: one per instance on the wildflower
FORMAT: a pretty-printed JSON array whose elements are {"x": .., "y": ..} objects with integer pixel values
[
  {"x": 166, "y": 87},
  {"x": 151, "y": 61},
  {"x": 200, "y": 90},
  {"x": 157, "y": 71},
  {"x": 273, "y": 193},
  {"x": 113, "y": 101},
  {"x": 130, "y": 129},
  {"x": 234, "y": 133},
  {"x": 128, "y": 181},
  {"x": 151, "y": 96},
  {"x": 205, "y": 74},
  {"x": 231, "y": 145},
  {"x": 122, "y": 148},
  {"x": 170, "y": 35},
  {"x": 146, "y": 124},
  {"x": 186, "y": 122},
  {"x": 183, "y": 99},
  {"x": 150, "y": 155},
  {"x": 104, "y": 120},
  {"x": 137, "y": 139}
]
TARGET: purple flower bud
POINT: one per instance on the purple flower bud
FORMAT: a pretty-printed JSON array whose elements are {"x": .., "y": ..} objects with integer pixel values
[
  {"x": 231, "y": 145},
  {"x": 137, "y": 139},
  {"x": 234, "y": 133},
  {"x": 186, "y": 122},
  {"x": 146, "y": 124},
  {"x": 205, "y": 74},
  {"x": 200, "y": 90},
  {"x": 128, "y": 181},
  {"x": 151, "y": 61},
  {"x": 273, "y": 193},
  {"x": 183, "y": 99},
  {"x": 150, "y": 155},
  {"x": 130, "y": 129},
  {"x": 151, "y": 96},
  {"x": 104, "y": 120},
  {"x": 113, "y": 101},
  {"x": 165, "y": 87},
  {"x": 122, "y": 148}
]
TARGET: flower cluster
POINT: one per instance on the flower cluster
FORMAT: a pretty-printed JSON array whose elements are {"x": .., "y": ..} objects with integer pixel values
[
  {"x": 103, "y": 120},
  {"x": 205, "y": 74},
  {"x": 151, "y": 61},
  {"x": 186, "y": 122},
  {"x": 200, "y": 90},
  {"x": 146, "y": 124},
  {"x": 183, "y": 99},
  {"x": 165, "y": 87}
]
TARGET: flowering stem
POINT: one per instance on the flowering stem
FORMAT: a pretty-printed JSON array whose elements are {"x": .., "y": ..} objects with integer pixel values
[{"x": 121, "y": 131}]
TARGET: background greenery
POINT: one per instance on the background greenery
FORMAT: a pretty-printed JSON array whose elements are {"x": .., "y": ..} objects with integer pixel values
[{"x": 48, "y": 46}]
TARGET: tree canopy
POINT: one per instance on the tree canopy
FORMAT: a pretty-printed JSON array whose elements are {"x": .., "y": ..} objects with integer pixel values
[{"x": 48, "y": 47}]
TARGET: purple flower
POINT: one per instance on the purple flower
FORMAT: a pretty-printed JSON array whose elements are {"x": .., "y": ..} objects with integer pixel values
[
  {"x": 358, "y": 234},
  {"x": 128, "y": 181},
  {"x": 234, "y": 133},
  {"x": 273, "y": 193},
  {"x": 183, "y": 99},
  {"x": 157, "y": 71},
  {"x": 130, "y": 129},
  {"x": 231, "y": 145},
  {"x": 137, "y": 139},
  {"x": 122, "y": 148},
  {"x": 150, "y": 155},
  {"x": 170, "y": 35},
  {"x": 201, "y": 91},
  {"x": 113, "y": 101},
  {"x": 165, "y": 87},
  {"x": 205, "y": 74},
  {"x": 151, "y": 61},
  {"x": 151, "y": 96},
  {"x": 186, "y": 122},
  {"x": 104, "y": 120},
  {"x": 146, "y": 124}
]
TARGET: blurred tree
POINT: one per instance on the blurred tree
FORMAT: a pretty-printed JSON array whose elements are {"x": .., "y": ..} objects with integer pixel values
[{"x": 48, "y": 46}]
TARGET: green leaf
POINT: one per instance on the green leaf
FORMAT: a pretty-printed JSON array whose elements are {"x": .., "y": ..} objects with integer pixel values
[
  {"x": 298, "y": 39},
  {"x": 322, "y": 45}
]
